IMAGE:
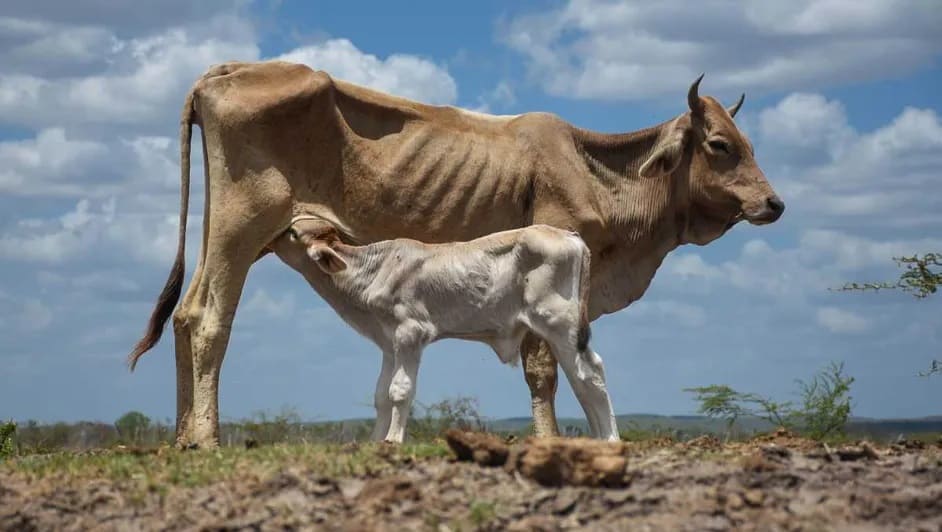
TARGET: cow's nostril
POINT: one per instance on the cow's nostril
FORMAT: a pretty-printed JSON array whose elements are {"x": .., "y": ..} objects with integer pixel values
[{"x": 776, "y": 205}]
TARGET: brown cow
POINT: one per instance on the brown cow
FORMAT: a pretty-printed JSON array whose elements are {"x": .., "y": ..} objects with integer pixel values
[{"x": 281, "y": 140}]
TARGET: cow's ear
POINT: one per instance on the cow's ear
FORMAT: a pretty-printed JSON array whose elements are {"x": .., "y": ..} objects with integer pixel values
[
  {"x": 666, "y": 156},
  {"x": 326, "y": 258}
]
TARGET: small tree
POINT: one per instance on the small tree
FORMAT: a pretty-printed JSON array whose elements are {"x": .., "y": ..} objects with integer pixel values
[
  {"x": 923, "y": 276},
  {"x": 825, "y": 405},
  {"x": 131, "y": 426}
]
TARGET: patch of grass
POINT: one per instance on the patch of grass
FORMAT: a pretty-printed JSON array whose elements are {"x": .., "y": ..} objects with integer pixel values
[
  {"x": 481, "y": 513},
  {"x": 169, "y": 467}
]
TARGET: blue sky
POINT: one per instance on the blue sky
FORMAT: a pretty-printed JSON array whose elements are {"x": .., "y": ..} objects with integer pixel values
[{"x": 842, "y": 103}]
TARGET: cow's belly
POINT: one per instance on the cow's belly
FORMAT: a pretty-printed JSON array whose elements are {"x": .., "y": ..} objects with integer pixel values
[{"x": 435, "y": 187}]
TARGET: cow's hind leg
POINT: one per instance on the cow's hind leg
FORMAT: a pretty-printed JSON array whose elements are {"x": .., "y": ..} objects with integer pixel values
[
  {"x": 204, "y": 320},
  {"x": 539, "y": 368},
  {"x": 184, "y": 360}
]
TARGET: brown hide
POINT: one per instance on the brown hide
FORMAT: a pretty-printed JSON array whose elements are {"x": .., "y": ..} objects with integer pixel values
[{"x": 282, "y": 140}]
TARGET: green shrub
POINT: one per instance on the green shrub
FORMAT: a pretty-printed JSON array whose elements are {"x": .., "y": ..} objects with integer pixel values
[
  {"x": 823, "y": 412},
  {"x": 459, "y": 412},
  {"x": 7, "y": 443},
  {"x": 132, "y": 426}
]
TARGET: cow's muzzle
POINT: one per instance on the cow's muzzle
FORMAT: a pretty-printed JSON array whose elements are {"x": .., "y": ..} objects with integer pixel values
[{"x": 770, "y": 211}]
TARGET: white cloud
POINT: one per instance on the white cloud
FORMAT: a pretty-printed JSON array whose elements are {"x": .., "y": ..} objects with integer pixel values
[
  {"x": 841, "y": 321},
  {"x": 91, "y": 229},
  {"x": 832, "y": 173},
  {"x": 137, "y": 82},
  {"x": 403, "y": 75},
  {"x": 502, "y": 95},
  {"x": 674, "y": 312},
  {"x": 821, "y": 260},
  {"x": 601, "y": 49},
  {"x": 50, "y": 163},
  {"x": 56, "y": 240},
  {"x": 849, "y": 253},
  {"x": 262, "y": 304},
  {"x": 806, "y": 127}
]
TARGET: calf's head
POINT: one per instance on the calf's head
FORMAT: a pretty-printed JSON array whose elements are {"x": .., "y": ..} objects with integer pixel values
[
  {"x": 713, "y": 158},
  {"x": 308, "y": 241}
]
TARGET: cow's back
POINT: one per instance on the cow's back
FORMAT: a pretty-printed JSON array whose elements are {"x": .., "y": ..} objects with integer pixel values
[{"x": 383, "y": 167}]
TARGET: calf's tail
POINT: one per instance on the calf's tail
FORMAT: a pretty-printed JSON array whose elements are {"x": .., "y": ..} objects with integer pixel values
[{"x": 585, "y": 331}]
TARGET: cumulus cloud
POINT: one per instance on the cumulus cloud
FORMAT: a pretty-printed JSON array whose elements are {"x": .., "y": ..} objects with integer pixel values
[
  {"x": 834, "y": 174},
  {"x": 601, "y": 49},
  {"x": 502, "y": 95},
  {"x": 841, "y": 321},
  {"x": 400, "y": 74},
  {"x": 91, "y": 228},
  {"x": 820, "y": 260},
  {"x": 263, "y": 304},
  {"x": 50, "y": 163},
  {"x": 140, "y": 81},
  {"x": 671, "y": 311}
]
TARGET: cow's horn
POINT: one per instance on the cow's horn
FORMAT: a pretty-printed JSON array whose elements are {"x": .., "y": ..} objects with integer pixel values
[
  {"x": 693, "y": 96},
  {"x": 735, "y": 107}
]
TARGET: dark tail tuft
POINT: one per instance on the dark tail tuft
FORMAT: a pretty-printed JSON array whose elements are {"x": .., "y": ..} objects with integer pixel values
[
  {"x": 584, "y": 334},
  {"x": 582, "y": 337},
  {"x": 165, "y": 304},
  {"x": 171, "y": 292}
]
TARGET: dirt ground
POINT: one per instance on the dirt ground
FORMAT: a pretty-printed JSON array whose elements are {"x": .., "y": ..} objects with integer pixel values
[{"x": 773, "y": 483}]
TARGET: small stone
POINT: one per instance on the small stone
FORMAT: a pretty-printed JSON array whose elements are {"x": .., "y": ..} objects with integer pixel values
[{"x": 754, "y": 497}]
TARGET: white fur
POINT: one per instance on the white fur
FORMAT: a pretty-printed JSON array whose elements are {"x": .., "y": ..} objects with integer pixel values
[{"x": 404, "y": 295}]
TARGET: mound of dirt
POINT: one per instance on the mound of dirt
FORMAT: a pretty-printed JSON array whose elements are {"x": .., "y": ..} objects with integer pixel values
[
  {"x": 550, "y": 461},
  {"x": 555, "y": 484}
]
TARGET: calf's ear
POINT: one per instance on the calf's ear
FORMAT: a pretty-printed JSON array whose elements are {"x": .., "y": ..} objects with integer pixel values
[
  {"x": 666, "y": 156},
  {"x": 326, "y": 258}
]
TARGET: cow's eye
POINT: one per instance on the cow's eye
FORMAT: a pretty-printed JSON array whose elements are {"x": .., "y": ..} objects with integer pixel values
[{"x": 718, "y": 145}]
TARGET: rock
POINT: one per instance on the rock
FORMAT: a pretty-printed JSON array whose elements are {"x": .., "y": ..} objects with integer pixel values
[
  {"x": 573, "y": 461},
  {"x": 754, "y": 497},
  {"x": 478, "y": 447},
  {"x": 863, "y": 451}
]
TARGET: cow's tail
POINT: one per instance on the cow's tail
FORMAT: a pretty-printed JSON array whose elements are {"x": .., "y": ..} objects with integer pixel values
[
  {"x": 582, "y": 336},
  {"x": 171, "y": 292}
]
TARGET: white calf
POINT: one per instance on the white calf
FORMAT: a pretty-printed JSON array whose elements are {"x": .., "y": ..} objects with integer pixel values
[{"x": 403, "y": 295}]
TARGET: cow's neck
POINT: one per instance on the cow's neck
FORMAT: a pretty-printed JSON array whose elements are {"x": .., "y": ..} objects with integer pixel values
[{"x": 644, "y": 217}]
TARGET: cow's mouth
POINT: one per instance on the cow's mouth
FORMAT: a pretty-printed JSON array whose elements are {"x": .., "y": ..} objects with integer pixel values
[{"x": 740, "y": 216}]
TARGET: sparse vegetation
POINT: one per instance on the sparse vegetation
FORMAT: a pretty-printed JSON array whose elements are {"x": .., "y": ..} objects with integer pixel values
[
  {"x": 158, "y": 468},
  {"x": 7, "y": 443},
  {"x": 458, "y": 413},
  {"x": 922, "y": 278},
  {"x": 823, "y": 411},
  {"x": 132, "y": 426}
]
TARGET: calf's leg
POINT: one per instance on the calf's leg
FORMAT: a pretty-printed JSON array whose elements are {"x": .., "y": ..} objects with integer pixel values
[
  {"x": 381, "y": 398},
  {"x": 402, "y": 391},
  {"x": 586, "y": 375}
]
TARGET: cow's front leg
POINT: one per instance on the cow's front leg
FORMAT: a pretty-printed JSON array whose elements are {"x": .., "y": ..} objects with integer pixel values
[{"x": 539, "y": 368}]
